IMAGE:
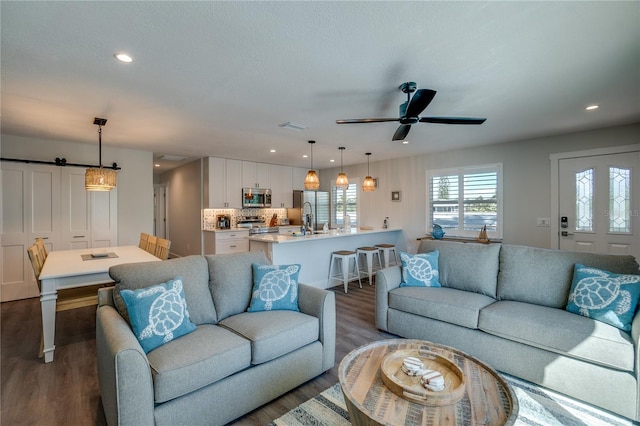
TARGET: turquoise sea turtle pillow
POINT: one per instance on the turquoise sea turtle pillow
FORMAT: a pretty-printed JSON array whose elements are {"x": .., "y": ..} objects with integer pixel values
[
  {"x": 158, "y": 314},
  {"x": 420, "y": 270},
  {"x": 604, "y": 296},
  {"x": 275, "y": 287}
]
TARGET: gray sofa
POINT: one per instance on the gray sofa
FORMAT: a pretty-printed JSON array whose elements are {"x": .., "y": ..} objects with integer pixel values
[
  {"x": 504, "y": 304},
  {"x": 234, "y": 362}
]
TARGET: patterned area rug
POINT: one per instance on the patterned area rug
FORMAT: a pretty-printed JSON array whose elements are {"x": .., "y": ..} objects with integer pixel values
[{"x": 538, "y": 406}]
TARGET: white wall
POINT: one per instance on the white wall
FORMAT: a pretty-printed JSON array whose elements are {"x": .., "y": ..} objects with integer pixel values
[
  {"x": 184, "y": 199},
  {"x": 526, "y": 180},
  {"x": 135, "y": 180}
]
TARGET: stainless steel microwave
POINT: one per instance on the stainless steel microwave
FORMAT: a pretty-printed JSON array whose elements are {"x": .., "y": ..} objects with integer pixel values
[{"x": 256, "y": 197}]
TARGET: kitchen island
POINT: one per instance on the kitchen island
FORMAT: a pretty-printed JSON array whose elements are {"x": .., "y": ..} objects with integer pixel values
[{"x": 313, "y": 252}]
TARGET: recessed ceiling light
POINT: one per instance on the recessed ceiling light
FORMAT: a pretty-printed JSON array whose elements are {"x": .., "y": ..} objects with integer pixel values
[
  {"x": 592, "y": 107},
  {"x": 332, "y": 161},
  {"x": 405, "y": 142},
  {"x": 305, "y": 156},
  {"x": 123, "y": 57},
  {"x": 272, "y": 150},
  {"x": 157, "y": 165}
]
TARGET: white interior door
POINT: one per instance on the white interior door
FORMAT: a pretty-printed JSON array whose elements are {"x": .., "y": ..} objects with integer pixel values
[
  {"x": 599, "y": 196},
  {"x": 160, "y": 210},
  {"x": 75, "y": 217},
  {"x": 104, "y": 218},
  {"x": 30, "y": 209}
]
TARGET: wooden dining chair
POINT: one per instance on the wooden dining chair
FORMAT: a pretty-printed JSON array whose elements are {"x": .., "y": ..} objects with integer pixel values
[
  {"x": 42, "y": 248},
  {"x": 152, "y": 241},
  {"x": 71, "y": 298},
  {"x": 144, "y": 239},
  {"x": 162, "y": 248}
]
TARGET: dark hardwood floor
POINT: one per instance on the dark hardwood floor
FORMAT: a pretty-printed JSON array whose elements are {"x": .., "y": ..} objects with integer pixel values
[{"x": 66, "y": 391}]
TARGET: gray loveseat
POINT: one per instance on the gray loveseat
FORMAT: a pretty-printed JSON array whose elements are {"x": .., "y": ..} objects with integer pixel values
[
  {"x": 234, "y": 362},
  {"x": 505, "y": 305}
]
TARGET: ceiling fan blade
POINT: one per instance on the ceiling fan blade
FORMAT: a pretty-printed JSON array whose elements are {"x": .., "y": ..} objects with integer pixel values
[
  {"x": 401, "y": 132},
  {"x": 419, "y": 102},
  {"x": 453, "y": 120},
  {"x": 365, "y": 120}
]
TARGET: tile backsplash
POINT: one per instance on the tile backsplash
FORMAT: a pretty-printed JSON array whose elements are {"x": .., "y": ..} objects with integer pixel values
[{"x": 208, "y": 216}]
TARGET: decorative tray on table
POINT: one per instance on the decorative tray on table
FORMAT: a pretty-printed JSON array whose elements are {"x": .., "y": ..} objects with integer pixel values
[{"x": 410, "y": 387}]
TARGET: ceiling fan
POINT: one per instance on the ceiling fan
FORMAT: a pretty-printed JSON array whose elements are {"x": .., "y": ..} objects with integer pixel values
[{"x": 410, "y": 112}]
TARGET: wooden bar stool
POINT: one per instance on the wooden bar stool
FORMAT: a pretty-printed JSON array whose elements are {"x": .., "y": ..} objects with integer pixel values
[
  {"x": 386, "y": 250},
  {"x": 342, "y": 260},
  {"x": 368, "y": 265}
]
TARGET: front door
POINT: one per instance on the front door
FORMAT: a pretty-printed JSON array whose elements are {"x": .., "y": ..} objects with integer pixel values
[{"x": 599, "y": 204}]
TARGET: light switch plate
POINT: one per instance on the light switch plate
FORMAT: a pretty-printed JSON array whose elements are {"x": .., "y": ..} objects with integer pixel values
[{"x": 544, "y": 221}]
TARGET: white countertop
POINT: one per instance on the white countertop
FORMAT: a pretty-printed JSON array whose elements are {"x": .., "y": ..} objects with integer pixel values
[
  {"x": 226, "y": 230},
  {"x": 284, "y": 239}
]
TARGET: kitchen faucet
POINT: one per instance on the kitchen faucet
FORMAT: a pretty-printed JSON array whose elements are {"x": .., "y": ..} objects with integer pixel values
[{"x": 308, "y": 218}]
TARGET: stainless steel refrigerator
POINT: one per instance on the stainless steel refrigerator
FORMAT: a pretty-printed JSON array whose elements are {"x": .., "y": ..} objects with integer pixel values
[{"x": 318, "y": 206}]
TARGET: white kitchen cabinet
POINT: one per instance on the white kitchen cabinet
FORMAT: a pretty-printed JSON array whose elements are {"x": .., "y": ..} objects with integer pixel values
[
  {"x": 299, "y": 174},
  {"x": 215, "y": 183},
  {"x": 281, "y": 186},
  {"x": 233, "y": 241},
  {"x": 233, "y": 183},
  {"x": 223, "y": 183},
  {"x": 256, "y": 175}
]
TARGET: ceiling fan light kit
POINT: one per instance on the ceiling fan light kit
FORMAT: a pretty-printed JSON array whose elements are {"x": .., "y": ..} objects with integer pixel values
[
  {"x": 342, "y": 182},
  {"x": 410, "y": 112},
  {"x": 100, "y": 179},
  {"x": 368, "y": 185},
  {"x": 312, "y": 181}
]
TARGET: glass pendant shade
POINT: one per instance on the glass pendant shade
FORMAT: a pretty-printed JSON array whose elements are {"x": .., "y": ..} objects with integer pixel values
[
  {"x": 368, "y": 185},
  {"x": 342, "y": 182},
  {"x": 99, "y": 178},
  {"x": 312, "y": 181}
]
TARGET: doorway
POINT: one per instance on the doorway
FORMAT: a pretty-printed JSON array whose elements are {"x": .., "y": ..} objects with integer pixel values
[
  {"x": 597, "y": 201},
  {"x": 160, "y": 223}
]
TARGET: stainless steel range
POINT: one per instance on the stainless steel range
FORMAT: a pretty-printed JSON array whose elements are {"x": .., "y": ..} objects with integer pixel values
[{"x": 256, "y": 225}]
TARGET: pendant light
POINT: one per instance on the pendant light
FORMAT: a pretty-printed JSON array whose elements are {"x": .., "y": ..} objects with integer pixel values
[
  {"x": 342, "y": 182},
  {"x": 99, "y": 179},
  {"x": 312, "y": 182},
  {"x": 368, "y": 185}
]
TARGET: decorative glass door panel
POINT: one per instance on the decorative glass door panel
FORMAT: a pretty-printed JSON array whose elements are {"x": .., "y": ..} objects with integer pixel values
[{"x": 599, "y": 196}]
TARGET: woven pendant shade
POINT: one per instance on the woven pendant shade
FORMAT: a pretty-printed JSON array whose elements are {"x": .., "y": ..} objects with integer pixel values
[
  {"x": 100, "y": 179},
  {"x": 312, "y": 181},
  {"x": 342, "y": 182},
  {"x": 368, "y": 185}
]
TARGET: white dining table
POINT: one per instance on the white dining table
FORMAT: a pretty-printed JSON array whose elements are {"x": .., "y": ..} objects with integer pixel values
[{"x": 77, "y": 268}]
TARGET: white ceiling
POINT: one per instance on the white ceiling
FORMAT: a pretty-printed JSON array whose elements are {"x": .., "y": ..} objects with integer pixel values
[{"x": 216, "y": 78}]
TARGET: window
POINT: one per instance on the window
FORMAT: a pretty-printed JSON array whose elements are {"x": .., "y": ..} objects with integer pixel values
[
  {"x": 464, "y": 200},
  {"x": 584, "y": 200},
  {"x": 619, "y": 200},
  {"x": 344, "y": 202}
]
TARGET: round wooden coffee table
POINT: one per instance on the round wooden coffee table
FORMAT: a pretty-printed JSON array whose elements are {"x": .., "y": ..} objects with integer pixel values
[{"x": 488, "y": 399}]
